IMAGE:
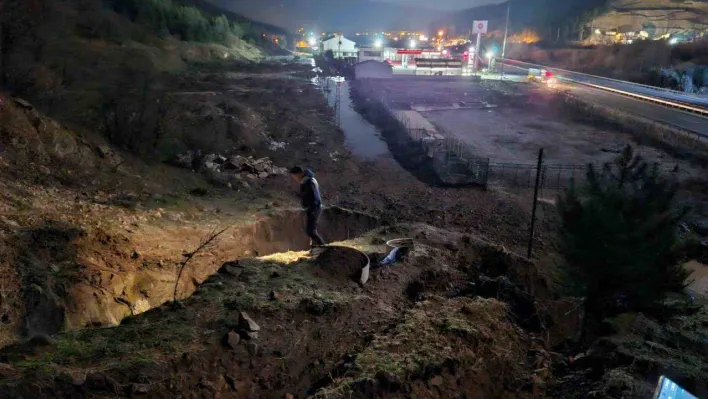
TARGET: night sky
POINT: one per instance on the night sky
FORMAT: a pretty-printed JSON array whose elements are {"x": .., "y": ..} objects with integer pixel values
[
  {"x": 350, "y": 15},
  {"x": 444, "y": 4}
]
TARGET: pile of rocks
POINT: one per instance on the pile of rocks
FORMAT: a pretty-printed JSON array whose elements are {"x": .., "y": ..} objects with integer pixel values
[
  {"x": 248, "y": 166},
  {"x": 238, "y": 165}
]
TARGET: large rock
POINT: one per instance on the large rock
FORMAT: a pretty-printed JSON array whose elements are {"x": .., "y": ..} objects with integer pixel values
[{"x": 247, "y": 323}]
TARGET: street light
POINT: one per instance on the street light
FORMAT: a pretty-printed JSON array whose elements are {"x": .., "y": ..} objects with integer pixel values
[
  {"x": 441, "y": 33},
  {"x": 490, "y": 57},
  {"x": 413, "y": 44},
  {"x": 378, "y": 43},
  {"x": 313, "y": 42}
]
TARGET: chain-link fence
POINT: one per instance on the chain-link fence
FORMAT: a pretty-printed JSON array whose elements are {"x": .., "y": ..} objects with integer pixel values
[
  {"x": 553, "y": 177},
  {"x": 452, "y": 160}
]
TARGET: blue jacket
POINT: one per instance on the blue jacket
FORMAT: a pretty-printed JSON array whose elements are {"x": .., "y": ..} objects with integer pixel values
[{"x": 310, "y": 192}]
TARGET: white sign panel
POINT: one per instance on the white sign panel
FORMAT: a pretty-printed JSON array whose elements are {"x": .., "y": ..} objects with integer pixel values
[{"x": 480, "y": 27}]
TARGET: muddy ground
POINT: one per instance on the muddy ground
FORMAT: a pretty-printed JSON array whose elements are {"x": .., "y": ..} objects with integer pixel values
[{"x": 90, "y": 230}]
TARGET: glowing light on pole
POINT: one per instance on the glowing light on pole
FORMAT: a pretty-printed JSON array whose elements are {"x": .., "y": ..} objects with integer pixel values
[
  {"x": 378, "y": 43},
  {"x": 413, "y": 44}
]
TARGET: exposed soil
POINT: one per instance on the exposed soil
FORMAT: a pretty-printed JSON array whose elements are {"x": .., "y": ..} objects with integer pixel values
[
  {"x": 340, "y": 263},
  {"x": 318, "y": 335}
]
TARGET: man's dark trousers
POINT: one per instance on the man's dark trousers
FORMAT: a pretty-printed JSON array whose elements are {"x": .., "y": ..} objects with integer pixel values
[{"x": 312, "y": 219}]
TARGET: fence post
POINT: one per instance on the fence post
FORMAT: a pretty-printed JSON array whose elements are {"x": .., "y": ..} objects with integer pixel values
[{"x": 535, "y": 203}]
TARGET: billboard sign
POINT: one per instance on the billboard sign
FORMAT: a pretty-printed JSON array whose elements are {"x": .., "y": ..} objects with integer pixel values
[{"x": 480, "y": 27}]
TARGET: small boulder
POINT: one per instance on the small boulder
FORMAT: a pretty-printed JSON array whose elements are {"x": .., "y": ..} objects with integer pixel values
[
  {"x": 139, "y": 389},
  {"x": 231, "y": 340},
  {"x": 263, "y": 175},
  {"x": 78, "y": 379},
  {"x": 231, "y": 268},
  {"x": 245, "y": 322},
  {"x": 274, "y": 296},
  {"x": 24, "y": 104},
  {"x": 436, "y": 381}
]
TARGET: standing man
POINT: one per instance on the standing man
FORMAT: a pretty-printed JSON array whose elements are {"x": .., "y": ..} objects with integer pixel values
[{"x": 311, "y": 201}]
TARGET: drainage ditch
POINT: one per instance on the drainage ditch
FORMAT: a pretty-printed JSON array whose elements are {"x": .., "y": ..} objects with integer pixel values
[{"x": 103, "y": 296}]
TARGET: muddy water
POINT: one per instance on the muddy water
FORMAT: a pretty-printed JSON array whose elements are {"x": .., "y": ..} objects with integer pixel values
[{"x": 362, "y": 138}]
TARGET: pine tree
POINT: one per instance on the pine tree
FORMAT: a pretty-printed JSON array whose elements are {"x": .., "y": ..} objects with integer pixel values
[{"x": 620, "y": 239}]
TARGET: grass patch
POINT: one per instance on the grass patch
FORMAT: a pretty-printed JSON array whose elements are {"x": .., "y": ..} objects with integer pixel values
[{"x": 475, "y": 333}]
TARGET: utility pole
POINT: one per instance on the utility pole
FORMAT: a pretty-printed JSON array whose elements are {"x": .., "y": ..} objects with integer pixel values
[
  {"x": 476, "y": 51},
  {"x": 532, "y": 231},
  {"x": 506, "y": 33}
]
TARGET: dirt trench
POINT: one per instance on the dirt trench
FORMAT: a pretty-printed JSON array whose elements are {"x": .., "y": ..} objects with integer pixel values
[
  {"x": 73, "y": 279},
  {"x": 319, "y": 333}
]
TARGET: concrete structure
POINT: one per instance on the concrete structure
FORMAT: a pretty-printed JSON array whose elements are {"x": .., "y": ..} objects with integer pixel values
[
  {"x": 371, "y": 54},
  {"x": 341, "y": 47},
  {"x": 373, "y": 70}
]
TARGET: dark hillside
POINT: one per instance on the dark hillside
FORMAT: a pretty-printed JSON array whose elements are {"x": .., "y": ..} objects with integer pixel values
[{"x": 544, "y": 16}]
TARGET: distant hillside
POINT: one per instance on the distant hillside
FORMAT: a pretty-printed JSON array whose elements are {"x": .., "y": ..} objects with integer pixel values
[
  {"x": 656, "y": 17},
  {"x": 544, "y": 16},
  {"x": 333, "y": 15},
  {"x": 566, "y": 20},
  {"x": 215, "y": 10}
]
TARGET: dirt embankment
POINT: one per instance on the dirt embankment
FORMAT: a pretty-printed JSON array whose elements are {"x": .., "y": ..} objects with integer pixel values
[
  {"x": 414, "y": 329},
  {"x": 92, "y": 234}
]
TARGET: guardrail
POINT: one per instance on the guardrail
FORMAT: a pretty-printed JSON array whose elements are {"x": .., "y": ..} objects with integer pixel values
[{"x": 685, "y": 102}]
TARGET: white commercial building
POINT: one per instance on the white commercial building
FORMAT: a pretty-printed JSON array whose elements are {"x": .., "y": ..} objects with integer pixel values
[{"x": 341, "y": 47}]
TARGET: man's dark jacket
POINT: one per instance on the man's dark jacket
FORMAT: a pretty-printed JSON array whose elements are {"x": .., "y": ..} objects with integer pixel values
[{"x": 310, "y": 192}]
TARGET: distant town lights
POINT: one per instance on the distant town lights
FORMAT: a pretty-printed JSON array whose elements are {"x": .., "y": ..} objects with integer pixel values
[{"x": 423, "y": 38}]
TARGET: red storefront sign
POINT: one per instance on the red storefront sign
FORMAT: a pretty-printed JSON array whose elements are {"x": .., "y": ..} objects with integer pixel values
[{"x": 417, "y": 52}]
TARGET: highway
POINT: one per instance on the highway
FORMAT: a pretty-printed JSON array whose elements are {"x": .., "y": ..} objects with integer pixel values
[
  {"x": 602, "y": 93},
  {"x": 698, "y": 103}
]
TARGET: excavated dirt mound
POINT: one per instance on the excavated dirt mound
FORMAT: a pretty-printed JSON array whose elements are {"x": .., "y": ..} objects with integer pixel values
[{"x": 339, "y": 264}]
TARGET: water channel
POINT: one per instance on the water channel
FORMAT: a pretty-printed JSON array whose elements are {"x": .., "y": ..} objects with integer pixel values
[{"x": 361, "y": 137}]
